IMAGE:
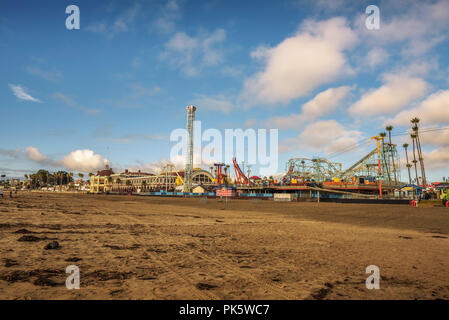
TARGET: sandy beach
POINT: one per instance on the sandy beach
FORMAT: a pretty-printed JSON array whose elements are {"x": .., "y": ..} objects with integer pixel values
[{"x": 130, "y": 247}]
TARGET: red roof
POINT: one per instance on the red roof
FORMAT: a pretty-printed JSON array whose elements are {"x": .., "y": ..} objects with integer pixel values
[
  {"x": 105, "y": 172},
  {"x": 138, "y": 173}
]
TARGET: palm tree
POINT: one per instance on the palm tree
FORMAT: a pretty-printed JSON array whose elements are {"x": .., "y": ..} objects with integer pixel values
[
  {"x": 81, "y": 175},
  {"x": 60, "y": 178},
  {"x": 144, "y": 184},
  {"x": 405, "y": 145},
  {"x": 383, "y": 135},
  {"x": 413, "y": 136},
  {"x": 415, "y": 128},
  {"x": 389, "y": 128},
  {"x": 128, "y": 184}
]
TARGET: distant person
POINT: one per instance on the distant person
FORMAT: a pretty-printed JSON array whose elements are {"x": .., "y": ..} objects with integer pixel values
[
  {"x": 445, "y": 197},
  {"x": 10, "y": 194},
  {"x": 1, "y": 193}
]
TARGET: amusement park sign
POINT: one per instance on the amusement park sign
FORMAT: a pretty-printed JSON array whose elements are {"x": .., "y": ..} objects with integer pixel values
[{"x": 225, "y": 192}]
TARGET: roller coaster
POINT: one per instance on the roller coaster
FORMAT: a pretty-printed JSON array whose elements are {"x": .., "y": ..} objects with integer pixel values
[{"x": 319, "y": 170}]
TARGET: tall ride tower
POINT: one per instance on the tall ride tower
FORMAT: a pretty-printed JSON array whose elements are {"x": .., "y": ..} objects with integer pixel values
[{"x": 189, "y": 154}]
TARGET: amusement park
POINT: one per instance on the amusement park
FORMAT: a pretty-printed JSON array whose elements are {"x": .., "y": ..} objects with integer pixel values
[{"x": 375, "y": 176}]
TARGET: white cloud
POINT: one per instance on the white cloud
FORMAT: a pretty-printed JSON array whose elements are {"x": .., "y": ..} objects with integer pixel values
[
  {"x": 418, "y": 28},
  {"x": 10, "y": 153},
  {"x": 376, "y": 57},
  {"x": 328, "y": 136},
  {"x": 434, "y": 136},
  {"x": 437, "y": 159},
  {"x": 433, "y": 110},
  {"x": 324, "y": 103},
  {"x": 234, "y": 72},
  {"x": 192, "y": 54},
  {"x": 396, "y": 93},
  {"x": 155, "y": 167},
  {"x": 166, "y": 22},
  {"x": 79, "y": 160},
  {"x": 121, "y": 24},
  {"x": 21, "y": 94},
  {"x": 218, "y": 103},
  {"x": 301, "y": 63},
  {"x": 33, "y": 154},
  {"x": 72, "y": 103},
  {"x": 83, "y": 160},
  {"x": 46, "y": 75}
]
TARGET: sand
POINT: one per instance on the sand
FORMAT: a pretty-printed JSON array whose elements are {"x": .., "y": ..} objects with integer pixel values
[{"x": 130, "y": 247}]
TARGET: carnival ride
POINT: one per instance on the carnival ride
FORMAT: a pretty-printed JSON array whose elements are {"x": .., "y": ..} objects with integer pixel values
[
  {"x": 240, "y": 177},
  {"x": 365, "y": 170}
]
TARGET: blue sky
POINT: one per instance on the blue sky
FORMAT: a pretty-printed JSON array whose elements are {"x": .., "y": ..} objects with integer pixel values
[{"x": 119, "y": 85}]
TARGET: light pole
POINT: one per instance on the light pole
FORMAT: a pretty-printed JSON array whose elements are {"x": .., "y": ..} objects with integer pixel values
[{"x": 378, "y": 163}]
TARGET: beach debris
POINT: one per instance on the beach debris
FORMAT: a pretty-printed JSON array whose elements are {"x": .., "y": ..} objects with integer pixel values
[
  {"x": 45, "y": 282},
  {"x": 23, "y": 231},
  {"x": 320, "y": 294},
  {"x": 52, "y": 245},
  {"x": 10, "y": 263},
  {"x": 73, "y": 259},
  {"x": 205, "y": 286},
  {"x": 29, "y": 238}
]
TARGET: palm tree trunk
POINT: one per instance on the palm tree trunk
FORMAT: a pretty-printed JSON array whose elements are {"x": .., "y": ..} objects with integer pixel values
[
  {"x": 414, "y": 162},
  {"x": 421, "y": 159},
  {"x": 385, "y": 162},
  {"x": 409, "y": 175},
  {"x": 392, "y": 158}
]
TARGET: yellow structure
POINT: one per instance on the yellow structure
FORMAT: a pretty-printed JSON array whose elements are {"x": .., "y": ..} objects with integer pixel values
[
  {"x": 107, "y": 181},
  {"x": 198, "y": 189},
  {"x": 101, "y": 184}
]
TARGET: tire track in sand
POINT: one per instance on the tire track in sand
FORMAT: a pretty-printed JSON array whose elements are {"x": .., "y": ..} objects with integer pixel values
[
  {"x": 198, "y": 293},
  {"x": 222, "y": 264}
]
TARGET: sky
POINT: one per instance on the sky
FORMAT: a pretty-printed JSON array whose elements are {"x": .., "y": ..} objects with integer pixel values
[{"x": 114, "y": 89}]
